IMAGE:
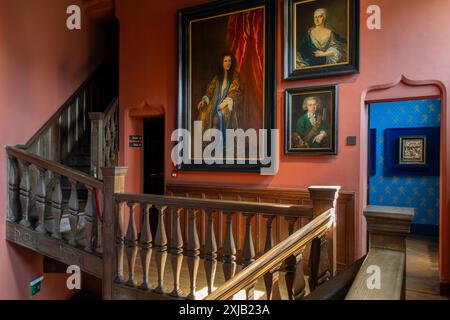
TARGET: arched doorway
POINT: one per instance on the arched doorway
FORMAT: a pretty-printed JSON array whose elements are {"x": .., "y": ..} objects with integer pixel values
[{"x": 407, "y": 89}]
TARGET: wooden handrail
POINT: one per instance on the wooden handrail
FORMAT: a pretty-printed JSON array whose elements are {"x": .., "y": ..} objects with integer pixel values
[
  {"x": 274, "y": 257},
  {"x": 111, "y": 108},
  {"x": 54, "y": 167},
  {"x": 222, "y": 205}
]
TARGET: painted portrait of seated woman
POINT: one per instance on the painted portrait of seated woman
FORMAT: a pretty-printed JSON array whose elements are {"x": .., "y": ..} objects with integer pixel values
[{"x": 320, "y": 45}]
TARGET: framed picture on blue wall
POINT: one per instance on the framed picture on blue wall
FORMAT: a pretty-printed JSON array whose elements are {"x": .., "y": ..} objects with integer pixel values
[{"x": 412, "y": 151}]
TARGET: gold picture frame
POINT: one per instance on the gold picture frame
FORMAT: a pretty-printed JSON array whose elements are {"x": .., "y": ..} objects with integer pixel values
[{"x": 412, "y": 150}]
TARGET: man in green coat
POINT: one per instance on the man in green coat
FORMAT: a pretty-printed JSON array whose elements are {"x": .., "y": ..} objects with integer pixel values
[{"x": 311, "y": 131}]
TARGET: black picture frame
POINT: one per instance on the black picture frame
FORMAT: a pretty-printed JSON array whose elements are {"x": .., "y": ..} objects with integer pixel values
[
  {"x": 217, "y": 9},
  {"x": 294, "y": 70},
  {"x": 294, "y": 117}
]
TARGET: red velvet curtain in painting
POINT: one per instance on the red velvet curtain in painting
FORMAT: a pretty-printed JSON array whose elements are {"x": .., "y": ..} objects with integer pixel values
[{"x": 246, "y": 40}]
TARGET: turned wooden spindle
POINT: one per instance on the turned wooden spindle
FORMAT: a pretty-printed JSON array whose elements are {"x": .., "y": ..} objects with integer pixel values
[
  {"x": 120, "y": 246},
  {"x": 145, "y": 241},
  {"x": 319, "y": 263},
  {"x": 161, "y": 249},
  {"x": 229, "y": 250},
  {"x": 249, "y": 252},
  {"x": 73, "y": 212},
  {"x": 107, "y": 144},
  {"x": 90, "y": 218},
  {"x": 41, "y": 194},
  {"x": 176, "y": 251},
  {"x": 291, "y": 262},
  {"x": 113, "y": 139},
  {"x": 131, "y": 245},
  {"x": 299, "y": 284},
  {"x": 25, "y": 194},
  {"x": 13, "y": 190},
  {"x": 57, "y": 207},
  {"x": 210, "y": 251},
  {"x": 271, "y": 278},
  {"x": 193, "y": 252}
]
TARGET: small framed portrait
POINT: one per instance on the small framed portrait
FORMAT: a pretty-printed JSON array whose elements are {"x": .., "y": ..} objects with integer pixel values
[
  {"x": 321, "y": 38},
  {"x": 311, "y": 120},
  {"x": 412, "y": 150},
  {"x": 226, "y": 64}
]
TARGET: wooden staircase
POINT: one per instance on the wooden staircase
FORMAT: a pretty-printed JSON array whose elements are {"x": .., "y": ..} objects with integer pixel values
[
  {"x": 66, "y": 177},
  {"x": 52, "y": 207}
]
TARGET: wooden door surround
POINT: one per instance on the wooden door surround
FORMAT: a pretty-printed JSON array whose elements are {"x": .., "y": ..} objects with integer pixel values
[{"x": 345, "y": 213}]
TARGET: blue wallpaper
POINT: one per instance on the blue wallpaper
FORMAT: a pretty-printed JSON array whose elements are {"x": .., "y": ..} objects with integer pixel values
[{"x": 420, "y": 192}]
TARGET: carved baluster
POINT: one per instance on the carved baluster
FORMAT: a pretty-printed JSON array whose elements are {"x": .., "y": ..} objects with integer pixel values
[
  {"x": 176, "y": 250},
  {"x": 299, "y": 285},
  {"x": 319, "y": 263},
  {"x": 73, "y": 212},
  {"x": 249, "y": 252},
  {"x": 193, "y": 251},
  {"x": 146, "y": 246},
  {"x": 161, "y": 249},
  {"x": 291, "y": 261},
  {"x": 113, "y": 140},
  {"x": 210, "y": 251},
  {"x": 41, "y": 194},
  {"x": 25, "y": 194},
  {"x": 90, "y": 218},
  {"x": 107, "y": 143},
  {"x": 120, "y": 245},
  {"x": 13, "y": 190},
  {"x": 57, "y": 207},
  {"x": 131, "y": 246},
  {"x": 271, "y": 278},
  {"x": 229, "y": 250}
]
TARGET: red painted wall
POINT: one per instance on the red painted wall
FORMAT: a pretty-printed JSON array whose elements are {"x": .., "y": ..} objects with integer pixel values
[
  {"x": 41, "y": 64},
  {"x": 412, "y": 42}
]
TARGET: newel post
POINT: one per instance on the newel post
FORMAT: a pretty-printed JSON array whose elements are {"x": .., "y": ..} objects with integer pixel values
[
  {"x": 113, "y": 182},
  {"x": 97, "y": 144},
  {"x": 325, "y": 198}
]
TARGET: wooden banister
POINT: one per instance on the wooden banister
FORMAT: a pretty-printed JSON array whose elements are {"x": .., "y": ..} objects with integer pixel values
[
  {"x": 104, "y": 138},
  {"x": 223, "y": 205},
  {"x": 54, "y": 167},
  {"x": 388, "y": 228},
  {"x": 274, "y": 257}
]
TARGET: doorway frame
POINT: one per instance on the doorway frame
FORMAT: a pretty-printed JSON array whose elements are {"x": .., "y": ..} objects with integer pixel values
[{"x": 406, "y": 89}]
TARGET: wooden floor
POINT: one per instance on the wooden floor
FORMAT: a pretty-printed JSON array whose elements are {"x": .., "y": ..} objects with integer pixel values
[{"x": 422, "y": 269}]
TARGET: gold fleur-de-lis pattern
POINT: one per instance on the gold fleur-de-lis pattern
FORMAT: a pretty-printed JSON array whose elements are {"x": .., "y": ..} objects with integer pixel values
[{"x": 420, "y": 192}]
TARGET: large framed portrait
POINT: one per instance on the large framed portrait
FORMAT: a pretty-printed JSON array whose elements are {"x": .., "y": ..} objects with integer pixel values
[
  {"x": 227, "y": 83},
  {"x": 311, "y": 116},
  {"x": 321, "y": 38}
]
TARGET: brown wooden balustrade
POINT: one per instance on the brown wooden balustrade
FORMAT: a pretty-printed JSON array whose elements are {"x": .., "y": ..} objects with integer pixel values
[
  {"x": 60, "y": 134},
  {"x": 269, "y": 264},
  {"x": 131, "y": 246},
  {"x": 55, "y": 215},
  {"x": 104, "y": 138}
]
